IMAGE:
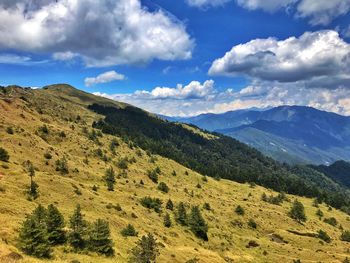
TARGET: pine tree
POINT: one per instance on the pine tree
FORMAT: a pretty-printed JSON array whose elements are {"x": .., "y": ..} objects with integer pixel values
[
  {"x": 39, "y": 214},
  {"x": 197, "y": 223},
  {"x": 239, "y": 210},
  {"x": 4, "y": 156},
  {"x": 181, "y": 215},
  {"x": 169, "y": 205},
  {"x": 110, "y": 179},
  {"x": 33, "y": 237},
  {"x": 99, "y": 238},
  {"x": 55, "y": 225},
  {"x": 33, "y": 187},
  {"x": 297, "y": 212},
  {"x": 167, "y": 220},
  {"x": 78, "y": 229},
  {"x": 129, "y": 231},
  {"x": 145, "y": 251}
]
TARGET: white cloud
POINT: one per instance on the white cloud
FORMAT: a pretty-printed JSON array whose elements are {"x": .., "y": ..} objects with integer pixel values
[
  {"x": 258, "y": 94},
  {"x": 266, "y": 5},
  {"x": 106, "y": 77},
  {"x": 101, "y": 32},
  {"x": 19, "y": 60},
  {"x": 315, "y": 58},
  {"x": 64, "y": 56},
  {"x": 322, "y": 12},
  {"x": 319, "y": 12},
  {"x": 206, "y": 3}
]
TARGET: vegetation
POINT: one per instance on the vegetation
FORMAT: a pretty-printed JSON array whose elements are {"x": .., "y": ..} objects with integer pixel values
[
  {"x": 181, "y": 214},
  {"x": 78, "y": 227},
  {"x": 55, "y": 226},
  {"x": 167, "y": 220},
  {"x": 62, "y": 166},
  {"x": 152, "y": 203},
  {"x": 197, "y": 223},
  {"x": 297, "y": 212},
  {"x": 332, "y": 221},
  {"x": 239, "y": 210},
  {"x": 33, "y": 187},
  {"x": 99, "y": 238},
  {"x": 324, "y": 236},
  {"x": 110, "y": 179},
  {"x": 4, "y": 156},
  {"x": 163, "y": 187},
  {"x": 345, "y": 236},
  {"x": 145, "y": 251},
  {"x": 129, "y": 231}
]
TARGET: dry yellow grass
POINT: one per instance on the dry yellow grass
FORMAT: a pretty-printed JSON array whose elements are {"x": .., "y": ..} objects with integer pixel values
[{"x": 227, "y": 240}]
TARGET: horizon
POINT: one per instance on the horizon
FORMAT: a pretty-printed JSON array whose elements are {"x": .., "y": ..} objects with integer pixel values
[{"x": 185, "y": 58}]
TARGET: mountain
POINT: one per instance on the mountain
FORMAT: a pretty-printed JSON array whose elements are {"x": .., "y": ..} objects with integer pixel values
[
  {"x": 73, "y": 139},
  {"x": 338, "y": 171},
  {"x": 292, "y": 134}
]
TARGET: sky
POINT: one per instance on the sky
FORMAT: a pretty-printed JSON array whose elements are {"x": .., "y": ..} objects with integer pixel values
[{"x": 184, "y": 57}]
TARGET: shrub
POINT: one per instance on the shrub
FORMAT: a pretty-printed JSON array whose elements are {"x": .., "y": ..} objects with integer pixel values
[
  {"x": 239, "y": 210},
  {"x": 9, "y": 130},
  {"x": 62, "y": 166},
  {"x": 163, "y": 187},
  {"x": 44, "y": 129},
  {"x": 206, "y": 206},
  {"x": 197, "y": 223},
  {"x": 129, "y": 231},
  {"x": 297, "y": 212},
  {"x": 345, "y": 236},
  {"x": 47, "y": 155},
  {"x": 331, "y": 221},
  {"x": 167, "y": 220},
  {"x": 152, "y": 203},
  {"x": 252, "y": 223},
  {"x": 4, "y": 156},
  {"x": 110, "y": 179},
  {"x": 324, "y": 236},
  {"x": 169, "y": 205},
  {"x": 62, "y": 134},
  {"x": 319, "y": 213},
  {"x": 123, "y": 163},
  {"x": 153, "y": 175},
  {"x": 181, "y": 214}
]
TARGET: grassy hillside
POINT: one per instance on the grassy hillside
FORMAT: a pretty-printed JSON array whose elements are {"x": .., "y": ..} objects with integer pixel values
[{"x": 64, "y": 109}]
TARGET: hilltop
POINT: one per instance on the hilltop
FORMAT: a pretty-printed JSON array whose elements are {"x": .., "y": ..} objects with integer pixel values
[{"x": 198, "y": 167}]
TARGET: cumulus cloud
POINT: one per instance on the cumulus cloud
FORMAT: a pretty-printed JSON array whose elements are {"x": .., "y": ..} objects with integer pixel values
[
  {"x": 316, "y": 58},
  {"x": 319, "y": 12},
  {"x": 106, "y": 77},
  {"x": 322, "y": 12},
  {"x": 101, "y": 32},
  {"x": 258, "y": 94}
]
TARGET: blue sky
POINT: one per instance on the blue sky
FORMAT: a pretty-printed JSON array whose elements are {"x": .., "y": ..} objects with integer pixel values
[{"x": 143, "y": 55}]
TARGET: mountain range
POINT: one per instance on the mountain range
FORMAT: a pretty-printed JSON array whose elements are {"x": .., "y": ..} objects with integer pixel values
[{"x": 292, "y": 134}]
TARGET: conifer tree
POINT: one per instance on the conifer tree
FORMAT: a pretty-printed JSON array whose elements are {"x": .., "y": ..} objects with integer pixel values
[
  {"x": 99, "y": 238},
  {"x": 197, "y": 223},
  {"x": 55, "y": 225},
  {"x": 39, "y": 214},
  {"x": 33, "y": 238},
  {"x": 297, "y": 212},
  {"x": 110, "y": 179},
  {"x": 78, "y": 229},
  {"x": 169, "y": 205},
  {"x": 4, "y": 156},
  {"x": 181, "y": 214},
  {"x": 145, "y": 251},
  {"x": 33, "y": 187},
  {"x": 167, "y": 220}
]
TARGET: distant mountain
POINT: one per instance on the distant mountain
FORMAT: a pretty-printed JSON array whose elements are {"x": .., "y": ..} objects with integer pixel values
[
  {"x": 338, "y": 171},
  {"x": 293, "y": 134}
]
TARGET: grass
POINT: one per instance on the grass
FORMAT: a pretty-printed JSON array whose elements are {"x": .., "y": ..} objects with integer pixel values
[{"x": 229, "y": 233}]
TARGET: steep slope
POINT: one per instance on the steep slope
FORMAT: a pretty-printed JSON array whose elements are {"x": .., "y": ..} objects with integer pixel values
[
  {"x": 64, "y": 109},
  {"x": 288, "y": 133}
]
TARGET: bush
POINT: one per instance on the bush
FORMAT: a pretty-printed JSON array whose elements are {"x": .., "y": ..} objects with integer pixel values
[
  {"x": 110, "y": 179},
  {"x": 331, "y": 221},
  {"x": 197, "y": 223},
  {"x": 152, "y": 203},
  {"x": 252, "y": 223},
  {"x": 167, "y": 220},
  {"x": 4, "y": 156},
  {"x": 163, "y": 187},
  {"x": 319, "y": 213},
  {"x": 47, "y": 155},
  {"x": 345, "y": 236},
  {"x": 62, "y": 166},
  {"x": 181, "y": 214},
  {"x": 123, "y": 163},
  {"x": 129, "y": 231},
  {"x": 297, "y": 212},
  {"x": 239, "y": 210},
  {"x": 169, "y": 205},
  {"x": 206, "y": 206},
  {"x": 9, "y": 130},
  {"x": 153, "y": 175},
  {"x": 324, "y": 236},
  {"x": 44, "y": 129}
]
